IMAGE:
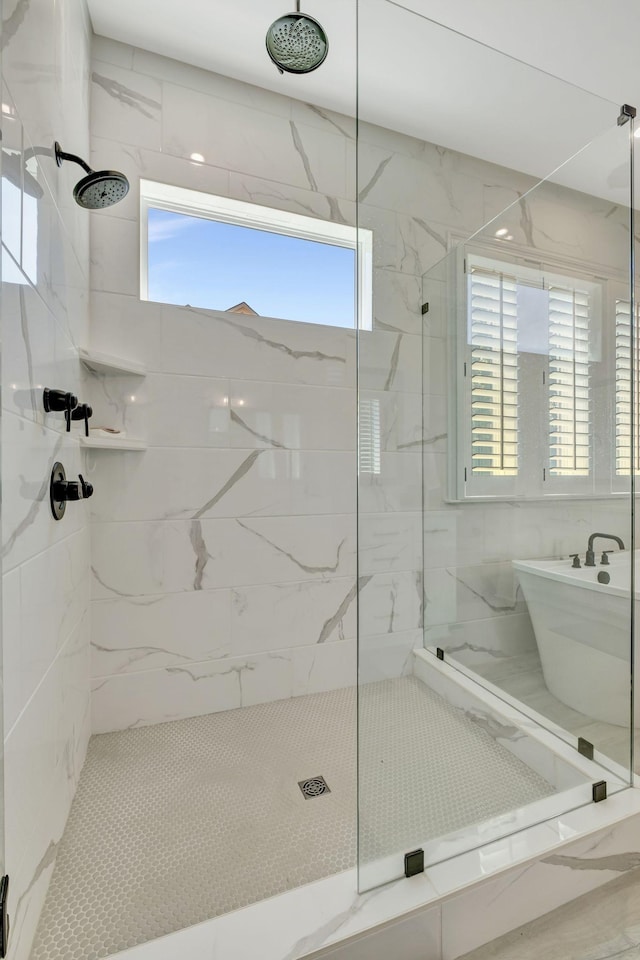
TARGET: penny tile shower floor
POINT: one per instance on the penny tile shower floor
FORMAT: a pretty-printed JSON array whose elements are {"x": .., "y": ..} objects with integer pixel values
[{"x": 176, "y": 823}]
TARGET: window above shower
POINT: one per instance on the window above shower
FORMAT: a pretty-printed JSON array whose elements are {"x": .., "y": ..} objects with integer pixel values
[
  {"x": 540, "y": 380},
  {"x": 216, "y": 253}
]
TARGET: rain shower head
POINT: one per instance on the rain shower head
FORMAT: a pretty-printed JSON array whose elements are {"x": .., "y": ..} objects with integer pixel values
[
  {"x": 297, "y": 43},
  {"x": 100, "y": 188}
]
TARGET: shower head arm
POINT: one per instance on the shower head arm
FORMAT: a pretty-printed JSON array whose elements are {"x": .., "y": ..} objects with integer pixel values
[{"x": 61, "y": 155}]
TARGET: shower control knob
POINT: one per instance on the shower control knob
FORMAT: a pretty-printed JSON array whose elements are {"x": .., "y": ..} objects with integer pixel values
[
  {"x": 63, "y": 491},
  {"x": 71, "y": 491},
  {"x": 58, "y": 401},
  {"x": 77, "y": 489}
]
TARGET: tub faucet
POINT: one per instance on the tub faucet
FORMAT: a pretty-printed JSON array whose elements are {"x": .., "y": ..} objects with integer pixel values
[{"x": 591, "y": 557}]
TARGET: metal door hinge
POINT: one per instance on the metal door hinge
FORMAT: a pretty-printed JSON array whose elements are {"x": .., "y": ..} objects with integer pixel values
[
  {"x": 585, "y": 748},
  {"x": 627, "y": 112},
  {"x": 414, "y": 863},
  {"x": 425, "y": 308},
  {"x": 439, "y": 653},
  {"x": 599, "y": 791}
]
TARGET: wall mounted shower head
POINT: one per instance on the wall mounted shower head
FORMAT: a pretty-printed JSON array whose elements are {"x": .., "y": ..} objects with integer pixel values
[
  {"x": 100, "y": 188},
  {"x": 297, "y": 43}
]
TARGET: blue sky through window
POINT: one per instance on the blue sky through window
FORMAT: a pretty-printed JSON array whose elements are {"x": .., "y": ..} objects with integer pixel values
[{"x": 205, "y": 263}]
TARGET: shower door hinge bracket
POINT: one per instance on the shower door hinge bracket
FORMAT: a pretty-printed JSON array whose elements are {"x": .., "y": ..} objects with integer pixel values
[
  {"x": 425, "y": 309},
  {"x": 414, "y": 863},
  {"x": 627, "y": 112},
  {"x": 599, "y": 791},
  {"x": 585, "y": 748},
  {"x": 439, "y": 653},
  {"x": 4, "y": 916}
]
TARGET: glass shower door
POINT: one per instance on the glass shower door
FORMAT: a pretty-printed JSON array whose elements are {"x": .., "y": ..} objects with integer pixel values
[{"x": 492, "y": 419}]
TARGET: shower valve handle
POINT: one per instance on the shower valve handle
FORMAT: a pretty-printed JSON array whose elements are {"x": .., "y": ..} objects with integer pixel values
[
  {"x": 65, "y": 490},
  {"x": 86, "y": 488},
  {"x": 60, "y": 400},
  {"x": 83, "y": 412}
]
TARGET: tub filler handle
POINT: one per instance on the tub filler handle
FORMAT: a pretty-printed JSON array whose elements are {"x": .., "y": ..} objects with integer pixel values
[{"x": 576, "y": 560}]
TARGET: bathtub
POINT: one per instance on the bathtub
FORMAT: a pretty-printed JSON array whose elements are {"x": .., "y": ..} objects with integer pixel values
[{"x": 583, "y": 633}]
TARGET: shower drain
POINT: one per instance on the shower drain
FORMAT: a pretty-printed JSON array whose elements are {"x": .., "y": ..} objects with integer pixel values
[{"x": 314, "y": 787}]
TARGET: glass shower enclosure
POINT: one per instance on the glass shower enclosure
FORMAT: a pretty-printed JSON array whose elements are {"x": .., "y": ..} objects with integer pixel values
[{"x": 497, "y": 447}]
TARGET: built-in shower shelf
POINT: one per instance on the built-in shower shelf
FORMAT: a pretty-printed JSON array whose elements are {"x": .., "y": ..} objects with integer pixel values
[
  {"x": 105, "y": 443},
  {"x": 110, "y": 365}
]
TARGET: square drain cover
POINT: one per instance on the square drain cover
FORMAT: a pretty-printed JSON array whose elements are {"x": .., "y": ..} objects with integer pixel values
[{"x": 314, "y": 787}]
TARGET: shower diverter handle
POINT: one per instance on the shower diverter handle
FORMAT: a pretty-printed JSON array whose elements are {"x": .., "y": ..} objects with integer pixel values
[{"x": 79, "y": 489}]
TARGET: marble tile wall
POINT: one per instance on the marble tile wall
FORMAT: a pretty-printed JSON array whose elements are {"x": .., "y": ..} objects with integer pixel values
[
  {"x": 224, "y": 557},
  {"x": 261, "y": 522},
  {"x": 46, "y": 568}
]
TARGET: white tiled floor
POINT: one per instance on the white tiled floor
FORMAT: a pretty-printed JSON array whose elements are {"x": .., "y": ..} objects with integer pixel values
[{"x": 180, "y": 822}]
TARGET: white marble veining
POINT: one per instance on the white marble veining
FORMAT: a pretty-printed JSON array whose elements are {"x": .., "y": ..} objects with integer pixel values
[
  {"x": 126, "y": 106},
  {"x": 46, "y": 632},
  {"x": 190, "y": 689}
]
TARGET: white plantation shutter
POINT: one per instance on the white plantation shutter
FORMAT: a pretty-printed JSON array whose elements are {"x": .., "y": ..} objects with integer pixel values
[
  {"x": 493, "y": 339},
  {"x": 624, "y": 367},
  {"x": 569, "y": 388},
  {"x": 369, "y": 436}
]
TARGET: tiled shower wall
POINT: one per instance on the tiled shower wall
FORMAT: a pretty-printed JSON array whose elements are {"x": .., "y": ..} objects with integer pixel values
[
  {"x": 224, "y": 555},
  {"x": 224, "y": 559},
  {"x": 46, "y": 585}
]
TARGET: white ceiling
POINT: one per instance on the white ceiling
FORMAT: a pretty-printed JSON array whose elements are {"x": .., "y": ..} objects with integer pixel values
[{"x": 417, "y": 77}]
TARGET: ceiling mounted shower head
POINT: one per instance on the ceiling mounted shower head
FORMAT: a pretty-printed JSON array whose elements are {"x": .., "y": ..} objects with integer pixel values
[
  {"x": 100, "y": 188},
  {"x": 297, "y": 43}
]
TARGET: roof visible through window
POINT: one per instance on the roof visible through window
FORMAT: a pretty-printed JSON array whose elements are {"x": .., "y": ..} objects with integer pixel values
[{"x": 216, "y": 265}]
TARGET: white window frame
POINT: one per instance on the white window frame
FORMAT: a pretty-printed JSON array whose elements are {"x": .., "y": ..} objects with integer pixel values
[
  {"x": 195, "y": 203},
  {"x": 603, "y": 481}
]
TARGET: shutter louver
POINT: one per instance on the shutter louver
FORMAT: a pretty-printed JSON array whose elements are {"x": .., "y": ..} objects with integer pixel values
[
  {"x": 624, "y": 367},
  {"x": 493, "y": 339},
  {"x": 369, "y": 436},
  {"x": 569, "y": 389}
]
